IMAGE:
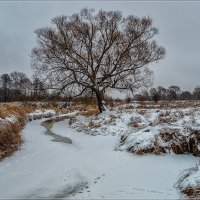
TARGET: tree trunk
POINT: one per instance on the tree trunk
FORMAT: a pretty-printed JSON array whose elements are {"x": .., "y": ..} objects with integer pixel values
[{"x": 100, "y": 101}]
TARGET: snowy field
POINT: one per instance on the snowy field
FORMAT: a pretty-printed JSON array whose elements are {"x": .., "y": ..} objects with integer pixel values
[{"x": 90, "y": 167}]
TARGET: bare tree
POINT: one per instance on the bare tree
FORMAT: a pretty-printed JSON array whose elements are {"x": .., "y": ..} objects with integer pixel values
[
  {"x": 163, "y": 92},
  {"x": 185, "y": 95},
  {"x": 95, "y": 52},
  {"x": 196, "y": 93},
  {"x": 5, "y": 82},
  {"x": 154, "y": 95},
  {"x": 174, "y": 91},
  {"x": 20, "y": 82},
  {"x": 39, "y": 90}
]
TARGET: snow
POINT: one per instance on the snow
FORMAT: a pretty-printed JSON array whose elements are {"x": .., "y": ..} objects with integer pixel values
[
  {"x": 11, "y": 118},
  {"x": 141, "y": 139},
  {"x": 8, "y": 119},
  {"x": 145, "y": 131},
  {"x": 107, "y": 123},
  {"x": 189, "y": 178},
  {"x": 88, "y": 168},
  {"x": 38, "y": 114},
  {"x": 193, "y": 179}
]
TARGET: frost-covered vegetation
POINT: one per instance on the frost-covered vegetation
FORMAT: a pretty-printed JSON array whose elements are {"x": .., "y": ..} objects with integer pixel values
[
  {"x": 146, "y": 129},
  {"x": 189, "y": 182}
]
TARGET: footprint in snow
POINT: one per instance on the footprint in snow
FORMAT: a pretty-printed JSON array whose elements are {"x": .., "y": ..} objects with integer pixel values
[
  {"x": 154, "y": 191},
  {"x": 97, "y": 178},
  {"x": 169, "y": 189},
  {"x": 139, "y": 189},
  {"x": 120, "y": 191}
]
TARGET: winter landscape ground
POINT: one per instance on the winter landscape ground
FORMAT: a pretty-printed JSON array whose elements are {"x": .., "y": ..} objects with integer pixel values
[{"x": 129, "y": 151}]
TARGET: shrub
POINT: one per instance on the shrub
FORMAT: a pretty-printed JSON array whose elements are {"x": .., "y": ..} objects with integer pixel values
[{"x": 10, "y": 138}]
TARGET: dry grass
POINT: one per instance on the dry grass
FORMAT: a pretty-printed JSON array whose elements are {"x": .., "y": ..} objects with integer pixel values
[
  {"x": 135, "y": 122},
  {"x": 72, "y": 120},
  {"x": 86, "y": 109},
  {"x": 141, "y": 111},
  {"x": 14, "y": 109},
  {"x": 93, "y": 124},
  {"x": 192, "y": 193},
  {"x": 168, "y": 116},
  {"x": 20, "y": 110},
  {"x": 160, "y": 105},
  {"x": 10, "y": 138},
  {"x": 89, "y": 113}
]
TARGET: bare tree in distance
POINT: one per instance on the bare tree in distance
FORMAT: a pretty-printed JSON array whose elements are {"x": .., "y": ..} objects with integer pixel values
[
  {"x": 154, "y": 95},
  {"x": 96, "y": 52},
  {"x": 5, "y": 83},
  {"x": 20, "y": 82},
  {"x": 174, "y": 91},
  {"x": 196, "y": 93}
]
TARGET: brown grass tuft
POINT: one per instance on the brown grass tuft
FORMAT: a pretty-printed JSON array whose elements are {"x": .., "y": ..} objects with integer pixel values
[
  {"x": 192, "y": 193},
  {"x": 72, "y": 120},
  {"x": 10, "y": 138}
]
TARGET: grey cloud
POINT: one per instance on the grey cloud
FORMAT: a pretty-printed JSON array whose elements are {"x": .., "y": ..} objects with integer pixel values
[{"x": 178, "y": 23}]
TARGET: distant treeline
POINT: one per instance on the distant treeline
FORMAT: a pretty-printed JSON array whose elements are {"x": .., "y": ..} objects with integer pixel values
[
  {"x": 172, "y": 93},
  {"x": 16, "y": 86}
]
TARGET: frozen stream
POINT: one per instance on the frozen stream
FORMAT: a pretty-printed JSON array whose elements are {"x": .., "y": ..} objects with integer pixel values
[
  {"x": 85, "y": 167},
  {"x": 48, "y": 124}
]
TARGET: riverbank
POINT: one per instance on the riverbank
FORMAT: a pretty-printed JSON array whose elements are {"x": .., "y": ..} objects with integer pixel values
[
  {"x": 13, "y": 117},
  {"x": 86, "y": 168}
]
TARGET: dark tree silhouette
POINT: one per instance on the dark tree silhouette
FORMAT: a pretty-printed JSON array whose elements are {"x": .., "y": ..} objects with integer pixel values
[
  {"x": 174, "y": 91},
  {"x": 95, "y": 52},
  {"x": 154, "y": 95},
  {"x": 196, "y": 93},
  {"x": 5, "y": 85}
]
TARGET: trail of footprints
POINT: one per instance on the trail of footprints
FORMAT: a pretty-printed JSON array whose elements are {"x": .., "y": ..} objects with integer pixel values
[
  {"x": 86, "y": 187},
  {"x": 132, "y": 190},
  {"x": 136, "y": 190}
]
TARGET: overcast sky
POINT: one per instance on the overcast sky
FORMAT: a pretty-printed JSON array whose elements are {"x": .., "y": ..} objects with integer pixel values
[{"x": 178, "y": 23}]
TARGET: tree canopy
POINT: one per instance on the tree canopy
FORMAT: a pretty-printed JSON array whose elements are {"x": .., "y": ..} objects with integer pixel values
[{"x": 96, "y": 52}]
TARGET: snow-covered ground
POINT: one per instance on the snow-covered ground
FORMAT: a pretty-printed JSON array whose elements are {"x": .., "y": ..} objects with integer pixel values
[
  {"x": 87, "y": 168},
  {"x": 38, "y": 114},
  {"x": 144, "y": 131}
]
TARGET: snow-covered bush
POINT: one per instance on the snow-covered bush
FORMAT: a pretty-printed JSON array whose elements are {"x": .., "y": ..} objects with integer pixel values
[
  {"x": 166, "y": 131},
  {"x": 164, "y": 140},
  {"x": 109, "y": 123},
  {"x": 189, "y": 182},
  {"x": 39, "y": 114},
  {"x": 143, "y": 131}
]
